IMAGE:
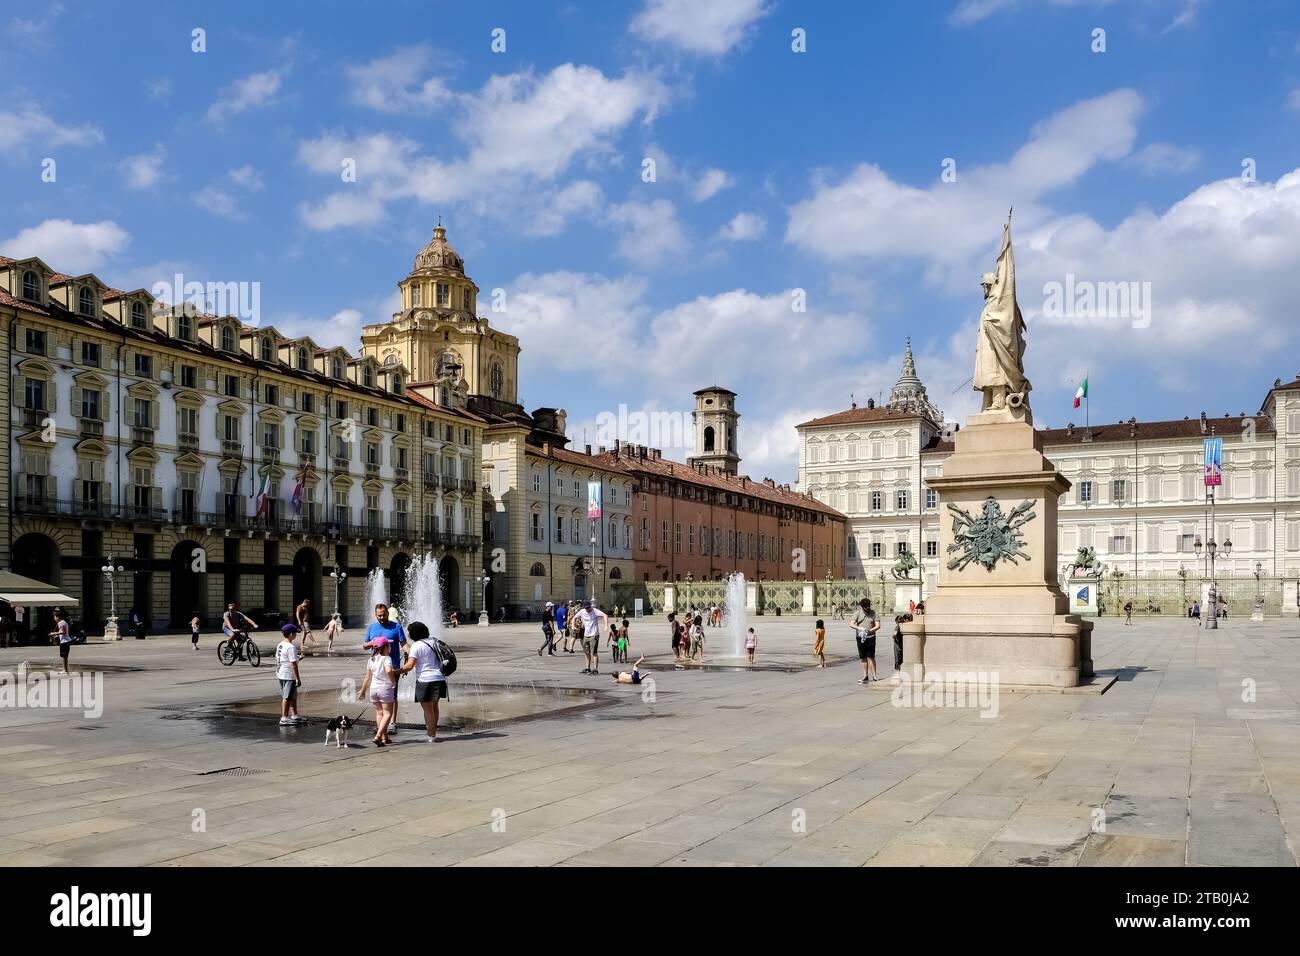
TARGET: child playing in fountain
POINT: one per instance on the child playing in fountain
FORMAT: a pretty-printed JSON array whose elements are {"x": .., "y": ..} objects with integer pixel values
[
  {"x": 751, "y": 645},
  {"x": 697, "y": 638},
  {"x": 819, "y": 647},
  {"x": 634, "y": 677},
  {"x": 622, "y": 642}
]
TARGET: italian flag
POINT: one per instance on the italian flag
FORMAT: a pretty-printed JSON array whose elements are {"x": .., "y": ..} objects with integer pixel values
[
  {"x": 1081, "y": 394},
  {"x": 263, "y": 491}
]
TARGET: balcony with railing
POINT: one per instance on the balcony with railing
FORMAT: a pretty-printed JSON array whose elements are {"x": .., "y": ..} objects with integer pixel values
[
  {"x": 400, "y": 473},
  {"x": 449, "y": 482},
  {"x": 142, "y": 435},
  {"x": 467, "y": 484},
  {"x": 34, "y": 417},
  {"x": 270, "y": 453},
  {"x": 430, "y": 482},
  {"x": 187, "y": 440},
  {"x": 232, "y": 448},
  {"x": 342, "y": 463},
  {"x": 372, "y": 469},
  {"x": 134, "y": 511},
  {"x": 90, "y": 427},
  {"x": 74, "y": 507}
]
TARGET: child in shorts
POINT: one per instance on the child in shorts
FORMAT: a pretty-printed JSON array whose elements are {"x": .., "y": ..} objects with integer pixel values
[
  {"x": 751, "y": 644},
  {"x": 622, "y": 642}
]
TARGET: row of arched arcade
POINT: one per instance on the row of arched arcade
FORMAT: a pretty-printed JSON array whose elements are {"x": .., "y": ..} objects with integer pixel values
[{"x": 199, "y": 582}]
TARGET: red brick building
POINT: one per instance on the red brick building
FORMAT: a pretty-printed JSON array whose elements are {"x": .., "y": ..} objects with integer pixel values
[{"x": 697, "y": 518}]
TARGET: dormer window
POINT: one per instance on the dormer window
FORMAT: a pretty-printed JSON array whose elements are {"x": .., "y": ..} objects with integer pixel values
[
  {"x": 185, "y": 326},
  {"x": 367, "y": 376},
  {"x": 137, "y": 316},
  {"x": 31, "y": 287},
  {"x": 86, "y": 301},
  {"x": 397, "y": 384},
  {"x": 268, "y": 350},
  {"x": 227, "y": 339},
  {"x": 302, "y": 359},
  {"x": 336, "y": 368}
]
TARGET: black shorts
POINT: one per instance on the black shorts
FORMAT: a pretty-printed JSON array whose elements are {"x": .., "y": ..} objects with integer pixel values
[
  {"x": 64, "y": 648},
  {"x": 430, "y": 691},
  {"x": 867, "y": 648}
]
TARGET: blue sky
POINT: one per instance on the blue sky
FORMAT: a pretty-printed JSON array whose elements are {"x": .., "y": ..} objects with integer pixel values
[{"x": 775, "y": 171}]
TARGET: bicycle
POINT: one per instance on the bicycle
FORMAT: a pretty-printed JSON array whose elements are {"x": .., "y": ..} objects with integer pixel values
[{"x": 240, "y": 647}]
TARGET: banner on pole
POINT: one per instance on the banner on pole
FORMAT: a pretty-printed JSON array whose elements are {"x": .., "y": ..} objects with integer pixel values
[
  {"x": 593, "y": 499},
  {"x": 1213, "y": 462}
]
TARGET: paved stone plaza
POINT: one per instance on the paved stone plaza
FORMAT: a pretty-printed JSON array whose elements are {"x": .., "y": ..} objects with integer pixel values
[{"x": 782, "y": 766}]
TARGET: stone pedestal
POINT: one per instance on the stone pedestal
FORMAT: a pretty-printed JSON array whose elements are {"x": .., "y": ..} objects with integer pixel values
[
  {"x": 1012, "y": 617},
  {"x": 1083, "y": 593},
  {"x": 809, "y": 599},
  {"x": 751, "y": 597},
  {"x": 1290, "y": 598},
  {"x": 110, "y": 630},
  {"x": 483, "y": 618}
]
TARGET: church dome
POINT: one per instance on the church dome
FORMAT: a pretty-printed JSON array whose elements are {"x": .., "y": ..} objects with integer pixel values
[{"x": 438, "y": 255}]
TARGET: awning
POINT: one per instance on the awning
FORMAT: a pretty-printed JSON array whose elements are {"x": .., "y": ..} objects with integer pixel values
[{"x": 38, "y": 599}]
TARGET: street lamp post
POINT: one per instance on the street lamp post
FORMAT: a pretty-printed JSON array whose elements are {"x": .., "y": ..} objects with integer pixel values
[
  {"x": 594, "y": 602},
  {"x": 483, "y": 620},
  {"x": 339, "y": 576},
  {"x": 110, "y": 571},
  {"x": 690, "y": 578},
  {"x": 1212, "y": 599},
  {"x": 1258, "y": 610}
]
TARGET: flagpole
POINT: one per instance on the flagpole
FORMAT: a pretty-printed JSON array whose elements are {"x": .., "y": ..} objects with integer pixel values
[{"x": 1087, "y": 407}]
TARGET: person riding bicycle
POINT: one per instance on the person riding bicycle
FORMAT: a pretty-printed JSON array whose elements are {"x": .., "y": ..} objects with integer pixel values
[{"x": 232, "y": 623}]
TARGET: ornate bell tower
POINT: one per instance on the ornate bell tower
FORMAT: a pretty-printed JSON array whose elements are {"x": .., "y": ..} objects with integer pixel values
[{"x": 715, "y": 418}]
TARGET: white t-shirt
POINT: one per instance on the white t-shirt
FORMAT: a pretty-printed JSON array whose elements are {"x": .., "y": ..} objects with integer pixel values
[
  {"x": 428, "y": 665},
  {"x": 590, "y": 618},
  {"x": 379, "y": 667},
  {"x": 286, "y": 655}
]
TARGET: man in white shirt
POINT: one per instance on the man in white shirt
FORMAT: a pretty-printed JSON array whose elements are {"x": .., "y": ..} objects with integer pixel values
[{"x": 590, "y": 619}]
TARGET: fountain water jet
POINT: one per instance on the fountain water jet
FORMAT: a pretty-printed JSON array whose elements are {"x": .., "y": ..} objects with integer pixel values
[{"x": 737, "y": 618}]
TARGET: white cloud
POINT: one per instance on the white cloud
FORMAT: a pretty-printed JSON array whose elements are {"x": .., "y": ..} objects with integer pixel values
[
  {"x": 521, "y": 133},
  {"x": 30, "y": 127},
  {"x": 867, "y": 214},
  {"x": 743, "y": 227},
  {"x": 556, "y": 207},
  {"x": 159, "y": 88},
  {"x": 710, "y": 183},
  {"x": 222, "y": 200},
  {"x": 72, "y": 247},
  {"x": 553, "y": 311},
  {"x": 710, "y": 27},
  {"x": 648, "y": 232},
  {"x": 1293, "y": 100},
  {"x": 397, "y": 83},
  {"x": 35, "y": 32},
  {"x": 144, "y": 169},
  {"x": 1158, "y": 158},
  {"x": 256, "y": 90},
  {"x": 973, "y": 11}
]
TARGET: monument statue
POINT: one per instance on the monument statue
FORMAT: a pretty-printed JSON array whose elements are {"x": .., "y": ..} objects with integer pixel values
[{"x": 1000, "y": 351}]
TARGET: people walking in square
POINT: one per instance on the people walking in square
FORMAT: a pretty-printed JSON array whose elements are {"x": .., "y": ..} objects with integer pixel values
[
  {"x": 63, "y": 634},
  {"x": 819, "y": 644},
  {"x": 751, "y": 645},
  {"x": 380, "y": 687},
  {"x": 561, "y": 625},
  {"x": 333, "y": 631},
  {"x": 697, "y": 637},
  {"x": 302, "y": 617},
  {"x": 899, "y": 621},
  {"x": 589, "y": 620},
  {"x": 194, "y": 631},
  {"x": 865, "y": 625},
  {"x": 548, "y": 630},
  {"x": 676, "y": 635},
  {"x": 1128, "y": 613},
  {"x": 395, "y": 642},
  {"x": 286, "y": 671},
  {"x": 430, "y": 682}
]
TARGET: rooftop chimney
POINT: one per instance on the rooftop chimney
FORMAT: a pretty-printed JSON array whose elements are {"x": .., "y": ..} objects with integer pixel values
[
  {"x": 588, "y": 449},
  {"x": 871, "y": 403},
  {"x": 1202, "y": 423}
]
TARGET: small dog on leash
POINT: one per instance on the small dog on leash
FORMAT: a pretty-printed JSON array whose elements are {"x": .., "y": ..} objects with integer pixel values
[{"x": 339, "y": 727}]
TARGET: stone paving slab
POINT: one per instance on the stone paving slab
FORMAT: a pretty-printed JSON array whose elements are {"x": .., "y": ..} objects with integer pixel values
[{"x": 804, "y": 767}]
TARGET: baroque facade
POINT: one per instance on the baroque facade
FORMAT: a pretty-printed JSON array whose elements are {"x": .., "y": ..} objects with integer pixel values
[
  {"x": 1137, "y": 499},
  {"x": 216, "y": 461}
]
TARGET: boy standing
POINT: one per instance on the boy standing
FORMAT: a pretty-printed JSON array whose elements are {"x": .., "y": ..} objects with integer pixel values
[
  {"x": 64, "y": 634},
  {"x": 286, "y": 671}
]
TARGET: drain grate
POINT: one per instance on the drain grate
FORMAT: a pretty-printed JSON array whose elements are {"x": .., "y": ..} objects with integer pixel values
[{"x": 232, "y": 772}]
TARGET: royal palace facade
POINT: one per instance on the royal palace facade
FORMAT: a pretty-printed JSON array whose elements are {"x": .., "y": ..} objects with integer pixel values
[{"x": 1137, "y": 497}]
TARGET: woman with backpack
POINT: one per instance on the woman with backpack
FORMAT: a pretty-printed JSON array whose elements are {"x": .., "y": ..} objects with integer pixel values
[{"x": 425, "y": 658}]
